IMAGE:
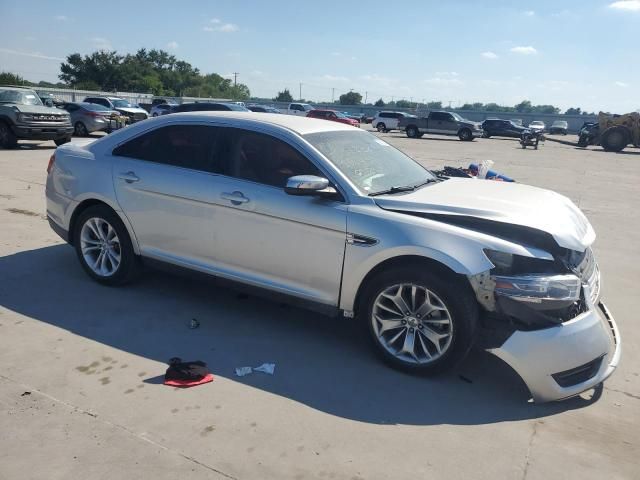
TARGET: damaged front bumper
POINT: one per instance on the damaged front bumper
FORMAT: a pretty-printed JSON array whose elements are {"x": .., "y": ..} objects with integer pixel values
[{"x": 566, "y": 359}]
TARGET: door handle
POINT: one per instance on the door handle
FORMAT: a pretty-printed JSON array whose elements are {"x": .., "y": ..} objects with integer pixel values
[
  {"x": 129, "y": 177},
  {"x": 235, "y": 197}
]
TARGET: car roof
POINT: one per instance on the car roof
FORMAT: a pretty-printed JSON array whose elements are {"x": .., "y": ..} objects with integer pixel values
[
  {"x": 15, "y": 87},
  {"x": 297, "y": 124}
]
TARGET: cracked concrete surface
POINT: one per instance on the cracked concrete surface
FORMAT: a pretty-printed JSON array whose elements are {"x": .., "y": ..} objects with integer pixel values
[{"x": 92, "y": 359}]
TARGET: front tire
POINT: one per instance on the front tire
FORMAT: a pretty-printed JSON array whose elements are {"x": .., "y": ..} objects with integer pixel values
[
  {"x": 80, "y": 130},
  {"x": 62, "y": 141},
  {"x": 419, "y": 321},
  {"x": 104, "y": 247},
  {"x": 381, "y": 127},
  {"x": 412, "y": 132},
  {"x": 465, "y": 135},
  {"x": 7, "y": 137}
]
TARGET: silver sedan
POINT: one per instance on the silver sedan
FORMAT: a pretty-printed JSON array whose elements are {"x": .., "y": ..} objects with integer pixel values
[{"x": 338, "y": 220}]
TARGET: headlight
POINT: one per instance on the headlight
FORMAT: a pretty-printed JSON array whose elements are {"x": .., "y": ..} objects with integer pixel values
[
  {"x": 541, "y": 283},
  {"x": 25, "y": 117},
  {"x": 554, "y": 289}
]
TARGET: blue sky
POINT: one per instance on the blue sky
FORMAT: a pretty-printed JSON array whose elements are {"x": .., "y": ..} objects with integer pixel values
[{"x": 567, "y": 53}]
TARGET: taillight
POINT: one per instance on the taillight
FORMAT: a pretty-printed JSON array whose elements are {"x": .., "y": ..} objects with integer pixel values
[
  {"x": 93, "y": 114},
  {"x": 52, "y": 160}
]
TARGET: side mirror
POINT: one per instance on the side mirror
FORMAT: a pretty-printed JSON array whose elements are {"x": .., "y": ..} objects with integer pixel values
[{"x": 309, "y": 185}]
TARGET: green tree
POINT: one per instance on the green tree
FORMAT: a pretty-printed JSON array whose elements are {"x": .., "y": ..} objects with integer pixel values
[
  {"x": 434, "y": 105},
  {"x": 546, "y": 109},
  {"x": 153, "y": 71},
  {"x": 573, "y": 111},
  {"x": 379, "y": 103},
  {"x": 284, "y": 96},
  {"x": 403, "y": 104},
  {"x": 524, "y": 107},
  {"x": 8, "y": 78},
  {"x": 350, "y": 98}
]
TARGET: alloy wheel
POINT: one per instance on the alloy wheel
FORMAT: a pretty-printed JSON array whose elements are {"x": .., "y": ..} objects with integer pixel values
[
  {"x": 100, "y": 247},
  {"x": 412, "y": 323}
]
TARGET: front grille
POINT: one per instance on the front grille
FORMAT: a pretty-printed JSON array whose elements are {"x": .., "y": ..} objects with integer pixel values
[
  {"x": 588, "y": 271},
  {"x": 49, "y": 118},
  {"x": 577, "y": 375}
]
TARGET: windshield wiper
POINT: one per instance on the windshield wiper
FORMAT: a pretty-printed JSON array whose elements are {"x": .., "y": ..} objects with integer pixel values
[{"x": 404, "y": 188}]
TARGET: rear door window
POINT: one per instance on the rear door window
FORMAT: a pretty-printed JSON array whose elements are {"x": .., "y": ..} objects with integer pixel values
[{"x": 184, "y": 146}]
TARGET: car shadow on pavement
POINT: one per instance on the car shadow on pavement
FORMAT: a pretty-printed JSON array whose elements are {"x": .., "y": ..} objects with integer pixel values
[
  {"x": 322, "y": 362},
  {"x": 37, "y": 146}
]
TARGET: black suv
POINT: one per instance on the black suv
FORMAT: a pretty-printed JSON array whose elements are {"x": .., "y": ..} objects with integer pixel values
[
  {"x": 23, "y": 116},
  {"x": 496, "y": 127}
]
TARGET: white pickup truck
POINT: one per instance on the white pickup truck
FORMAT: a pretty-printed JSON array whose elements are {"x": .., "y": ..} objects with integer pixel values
[{"x": 300, "y": 109}]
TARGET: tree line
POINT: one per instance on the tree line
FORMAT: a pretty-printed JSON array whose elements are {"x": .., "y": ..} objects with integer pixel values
[
  {"x": 355, "y": 98},
  {"x": 146, "y": 71}
]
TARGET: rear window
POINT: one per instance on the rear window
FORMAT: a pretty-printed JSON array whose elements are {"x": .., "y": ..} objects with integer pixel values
[{"x": 94, "y": 107}]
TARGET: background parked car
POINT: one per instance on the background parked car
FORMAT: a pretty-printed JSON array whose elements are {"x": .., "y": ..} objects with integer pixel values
[
  {"x": 333, "y": 116},
  {"x": 559, "y": 126},
  {"x": 91, "y": 117},
  {"x": 356, "y": 116},
  {"x": 263, "y": 109},
  {"x": 387, "y": 121},
  {"x": 440, "y": 123},
  {"x": 209, "y": 107},
  {"x": 496, "y": 127},
  {"x": 300, "y": 109},
  {"x": 537, "y": 125},
  {"x": 133, "y": 113},
  {"x": 23, "y": 116},
  {"x": 50, "y": 100},
  {"x": 162, "y": 109}
]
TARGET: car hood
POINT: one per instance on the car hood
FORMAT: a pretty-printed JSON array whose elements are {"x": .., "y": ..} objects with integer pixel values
[
  {"x": 39, "y": 109},
  {"x": 501, "y": 202},
  {"x": 131, "y": 110}
]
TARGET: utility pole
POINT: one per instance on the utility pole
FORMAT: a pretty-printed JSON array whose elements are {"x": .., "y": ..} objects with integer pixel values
[
  {"x": 300, "y": 97},
  {"x": 235, "y": 78},
  {"x": 333, "y": 92},
  {"x": 450, "y": 103},
  {"x": 366, "y": 94}
]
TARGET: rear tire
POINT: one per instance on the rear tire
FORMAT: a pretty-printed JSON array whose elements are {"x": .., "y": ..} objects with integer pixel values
[
  {"x": 381, "y": 127},
  {"x": 7, "y": 137},
  {"x": 440, "y": 327},
  {"x": 104, "y": 247},
  {"x": 615, "y": 139}
]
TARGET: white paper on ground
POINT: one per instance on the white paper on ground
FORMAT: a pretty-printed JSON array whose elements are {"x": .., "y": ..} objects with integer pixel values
[
  {"x": 242, "y": 371},
  {"x": 267, "y": 368}
]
